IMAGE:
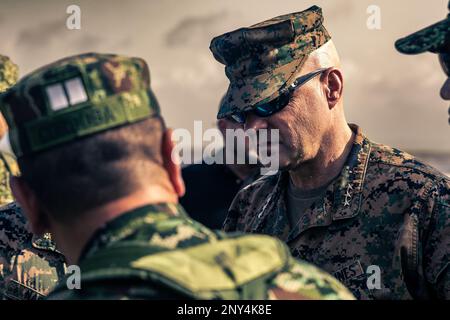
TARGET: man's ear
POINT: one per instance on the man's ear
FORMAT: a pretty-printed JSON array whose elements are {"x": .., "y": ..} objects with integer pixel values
[
  {"x": 334, "y": 83},
  {"x": 171, "y": 163},
  {"x": 30, "y": 205}
]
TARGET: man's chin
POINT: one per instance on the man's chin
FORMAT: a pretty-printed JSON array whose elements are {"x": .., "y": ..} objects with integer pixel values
[{"x": 284, "y": 163}]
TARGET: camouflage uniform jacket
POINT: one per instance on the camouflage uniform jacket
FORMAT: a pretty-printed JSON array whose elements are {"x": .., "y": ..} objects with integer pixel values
[
  {"x": 29, "y": 266},
  {"x": 386, "y": 210},
  {"x": 166, "y": 229}
]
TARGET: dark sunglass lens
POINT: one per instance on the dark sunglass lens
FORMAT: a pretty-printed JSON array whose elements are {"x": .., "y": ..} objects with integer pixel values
[
  {"x": 263, "y": 110},
  {"x": 283, "y": 101},
  {"x": 239, "y": 117},
  {"x": 273, "y": 106}
]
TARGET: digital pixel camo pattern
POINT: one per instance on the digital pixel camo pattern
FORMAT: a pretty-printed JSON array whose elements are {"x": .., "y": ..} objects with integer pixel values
[
  {"x": 435, "y": 38},
  {"x": 168, "y": 232},
  {"x": 266, "y": 57},
  {"x": 29, "y": 266},
  {"x": 386, "y": 210}
]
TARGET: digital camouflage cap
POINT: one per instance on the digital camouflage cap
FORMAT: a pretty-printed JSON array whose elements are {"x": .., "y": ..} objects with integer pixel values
[
  {"x": 9, "y": 73},
  {"x": 435, "y": 38},
  {"x": 76, "y": 97},
  {"x": 264, "y": 58}
]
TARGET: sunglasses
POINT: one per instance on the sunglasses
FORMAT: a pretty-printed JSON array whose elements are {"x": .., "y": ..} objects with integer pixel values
[
  {"x": 444, "y": 59},
  {"x": 269, "y": 108}
]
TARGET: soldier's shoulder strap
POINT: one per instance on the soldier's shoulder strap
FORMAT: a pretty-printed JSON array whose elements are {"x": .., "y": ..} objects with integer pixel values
[{"x": 238, "y": 267}]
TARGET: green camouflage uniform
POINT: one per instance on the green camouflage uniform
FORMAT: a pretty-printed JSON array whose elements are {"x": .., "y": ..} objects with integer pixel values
[
  {"x": 155, "y": 251},
  {"x": 386, "y": 212},
  {"x": 171, "y": 268},
  {"x": 386, "y": 209},
  {"x": 30, "y": 266}
]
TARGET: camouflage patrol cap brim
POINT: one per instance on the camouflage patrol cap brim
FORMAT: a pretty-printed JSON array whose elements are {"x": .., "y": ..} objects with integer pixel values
[
  {"x": 434, "y": 38},
  {"x": 76, "y": 97},
  {"x": 9, "y": 73},
  {"x": 262, "y": 59}
]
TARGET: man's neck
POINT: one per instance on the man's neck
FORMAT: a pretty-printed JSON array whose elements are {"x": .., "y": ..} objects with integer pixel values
[
  {"x": 72, "y": 237},
  {"x": 327, "y": 164}
]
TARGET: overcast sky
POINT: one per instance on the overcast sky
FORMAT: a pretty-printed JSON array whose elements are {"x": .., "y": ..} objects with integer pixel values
[{"x": 394, "y": 98}]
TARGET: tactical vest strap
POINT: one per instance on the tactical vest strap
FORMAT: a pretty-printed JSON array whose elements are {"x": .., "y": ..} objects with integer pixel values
[{"x": 233, "y": 268}]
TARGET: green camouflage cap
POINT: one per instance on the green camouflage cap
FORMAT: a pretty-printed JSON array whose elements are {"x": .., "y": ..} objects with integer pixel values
[
  {"x": 264, "y": 58},
  {"x": 9, "y": 73},
  {"x": 76, "y": 97},
  {"x": 435, "y": 38}
]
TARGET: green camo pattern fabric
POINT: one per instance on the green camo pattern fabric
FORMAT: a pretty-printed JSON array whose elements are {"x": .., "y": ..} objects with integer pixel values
[
  {"x": 30, "y": 266},
  {"x": 157, "y": 252},
  {"x": 386, "y": 210},
  {"x": 76, "y": 97}
]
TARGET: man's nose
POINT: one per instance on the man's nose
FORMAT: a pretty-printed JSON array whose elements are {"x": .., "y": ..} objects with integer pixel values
[
  {"x": 445, "y": 90},
  {"x": 254, "y": 122}
]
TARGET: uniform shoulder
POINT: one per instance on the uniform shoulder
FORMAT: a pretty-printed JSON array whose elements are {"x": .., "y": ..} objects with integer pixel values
[
  {"x": 397, "y": 158},
  {"x": 306, "y": 282}
]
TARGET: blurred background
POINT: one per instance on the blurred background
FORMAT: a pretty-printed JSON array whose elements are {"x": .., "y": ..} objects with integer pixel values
[{"x": 393, "y": 97}]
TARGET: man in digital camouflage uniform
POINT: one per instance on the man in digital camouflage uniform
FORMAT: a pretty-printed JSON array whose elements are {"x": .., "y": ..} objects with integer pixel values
[
  {"x": 97, "y": 172},
  {"x": 436, "y": 39},
  {"x": 30, "y": 266},
  {"x": 371, "y": 215}
]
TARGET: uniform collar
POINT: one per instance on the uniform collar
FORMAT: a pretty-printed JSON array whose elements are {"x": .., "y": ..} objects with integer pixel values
[
  {"x": 128, "y": 223},
  {"x": 342, "y": 200}
]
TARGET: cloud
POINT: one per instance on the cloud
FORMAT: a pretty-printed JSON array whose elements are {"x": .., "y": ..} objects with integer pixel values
[
  {"x": 42, "y": 34},
  {"x": 192, "y": 31},
  {"x": 340, "y": 10},
  {"x": 88, "y": 41},
  {"x": 54, "y": 34}
]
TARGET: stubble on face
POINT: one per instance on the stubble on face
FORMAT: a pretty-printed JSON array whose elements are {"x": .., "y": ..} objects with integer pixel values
[{"x": 301, "y": 125}]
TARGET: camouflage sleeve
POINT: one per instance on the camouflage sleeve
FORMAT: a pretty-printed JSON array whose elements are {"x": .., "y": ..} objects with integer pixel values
[
  {"x": 304, "y": 281},
  {"x": 29, "y": 266},
  {"x": 437, "y": 246}
]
